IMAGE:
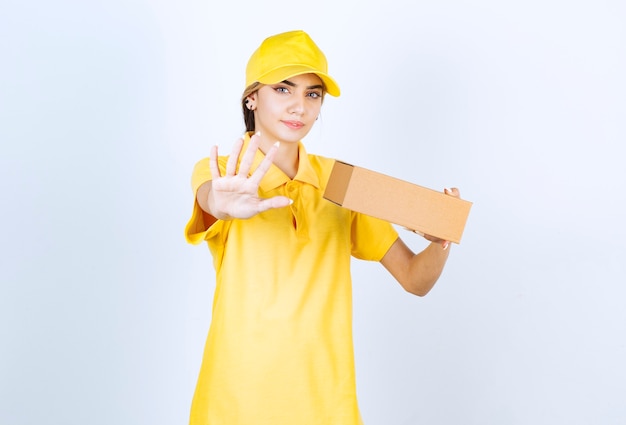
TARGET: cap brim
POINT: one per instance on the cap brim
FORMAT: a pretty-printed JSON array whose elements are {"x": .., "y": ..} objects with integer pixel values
[{"x": 285, "y": 72}]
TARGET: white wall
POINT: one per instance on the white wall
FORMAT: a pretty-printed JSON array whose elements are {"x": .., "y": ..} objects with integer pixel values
[{"x": 106, "y": 106}]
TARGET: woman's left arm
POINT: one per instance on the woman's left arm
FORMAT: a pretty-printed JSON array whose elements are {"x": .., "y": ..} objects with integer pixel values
[{"x": 418, "y": 273}]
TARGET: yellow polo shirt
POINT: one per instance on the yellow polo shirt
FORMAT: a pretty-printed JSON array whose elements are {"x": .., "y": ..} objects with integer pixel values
[{"x": 279, "y": 349}]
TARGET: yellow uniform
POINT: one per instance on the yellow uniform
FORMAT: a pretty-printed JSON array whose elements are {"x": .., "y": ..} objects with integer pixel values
[{"x": 279, "y": 349}]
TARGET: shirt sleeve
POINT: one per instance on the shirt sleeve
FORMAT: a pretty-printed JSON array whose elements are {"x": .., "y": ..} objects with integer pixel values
[
  {"x": 196, "y": 229},
  {"x": 371, "y": 237}
]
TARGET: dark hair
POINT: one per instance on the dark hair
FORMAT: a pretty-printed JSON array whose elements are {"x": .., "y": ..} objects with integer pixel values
[{"x": 248, "y": 115}]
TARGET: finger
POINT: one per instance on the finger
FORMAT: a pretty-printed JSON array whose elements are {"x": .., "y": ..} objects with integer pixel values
[
  {"x": 274, "y": 202},
  {"x": 215, "y": 170},
  {"x": 452, "y": 192},
  {"x": 433, "y": 239},
  {"x": 248, "y": 157},
  {"x": 444, "y": 243},
  {"x": 265, "y": 165},
  {"x": 231, "y": 165}
]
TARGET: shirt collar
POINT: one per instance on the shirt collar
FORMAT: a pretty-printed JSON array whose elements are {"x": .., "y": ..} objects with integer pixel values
[{"x": 275, "y": 177}]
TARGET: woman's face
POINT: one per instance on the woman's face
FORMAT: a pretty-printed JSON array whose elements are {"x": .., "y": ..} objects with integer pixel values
[{"x": 286, "y": 111}]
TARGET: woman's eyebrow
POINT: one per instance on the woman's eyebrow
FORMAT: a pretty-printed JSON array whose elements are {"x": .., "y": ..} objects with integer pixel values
[{"x": 317, "y": 86}]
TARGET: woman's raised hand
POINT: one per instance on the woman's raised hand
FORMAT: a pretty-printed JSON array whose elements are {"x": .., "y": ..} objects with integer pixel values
[{"x": 235, "y": 194}]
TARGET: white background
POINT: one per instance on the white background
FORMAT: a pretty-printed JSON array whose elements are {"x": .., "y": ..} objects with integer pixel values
[{"x": 106, "y": 106}]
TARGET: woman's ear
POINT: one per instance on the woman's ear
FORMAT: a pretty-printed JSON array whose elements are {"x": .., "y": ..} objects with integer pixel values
[{"x": 251, "y": 102}]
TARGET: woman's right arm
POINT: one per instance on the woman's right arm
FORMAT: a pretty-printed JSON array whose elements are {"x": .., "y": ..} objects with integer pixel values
[{"x": 202, "y": 196}]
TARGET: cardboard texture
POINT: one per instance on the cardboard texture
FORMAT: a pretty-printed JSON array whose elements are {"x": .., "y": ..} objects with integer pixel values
[{"x": 397, "y": 201}]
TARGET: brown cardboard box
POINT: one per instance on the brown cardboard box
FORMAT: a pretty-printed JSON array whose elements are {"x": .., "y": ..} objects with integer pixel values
[{"x": 406, "y": 204}]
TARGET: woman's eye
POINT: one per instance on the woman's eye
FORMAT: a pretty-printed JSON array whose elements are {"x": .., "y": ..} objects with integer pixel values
[
  {"x": 315, "y": 95},
  {"x": 282, "y": 89}
]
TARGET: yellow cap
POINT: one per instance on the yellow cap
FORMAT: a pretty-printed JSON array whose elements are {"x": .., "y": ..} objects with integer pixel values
[{"x": 286, "y": 55}]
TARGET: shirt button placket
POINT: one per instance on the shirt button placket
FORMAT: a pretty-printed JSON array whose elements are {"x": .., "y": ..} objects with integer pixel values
[{"x": 291, "y": 194}]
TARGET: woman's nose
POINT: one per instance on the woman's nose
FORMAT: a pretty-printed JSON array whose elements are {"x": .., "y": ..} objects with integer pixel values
[{"x": 297, "y": 106}]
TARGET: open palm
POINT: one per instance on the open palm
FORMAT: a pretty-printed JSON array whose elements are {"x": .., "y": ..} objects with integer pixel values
[{"x": 235, "y": 194}]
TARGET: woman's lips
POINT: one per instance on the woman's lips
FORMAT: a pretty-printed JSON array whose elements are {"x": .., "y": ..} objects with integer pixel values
[{"x": 294, "y": 124}]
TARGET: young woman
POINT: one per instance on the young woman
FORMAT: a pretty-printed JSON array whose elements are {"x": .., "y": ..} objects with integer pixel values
[{"x": 279, "y": 349}]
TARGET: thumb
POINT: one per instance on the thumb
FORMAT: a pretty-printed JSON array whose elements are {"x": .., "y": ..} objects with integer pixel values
[{"x": 274, "y": 202}]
